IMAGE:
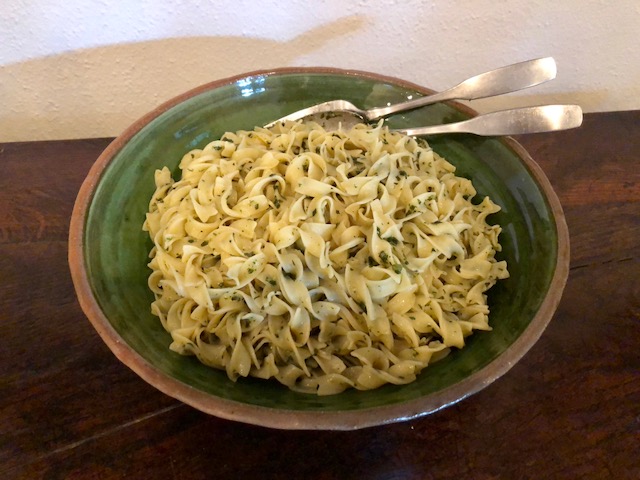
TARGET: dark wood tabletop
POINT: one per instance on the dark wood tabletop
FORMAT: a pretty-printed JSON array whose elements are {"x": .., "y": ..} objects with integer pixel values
[{"x": 569, "y": 409}]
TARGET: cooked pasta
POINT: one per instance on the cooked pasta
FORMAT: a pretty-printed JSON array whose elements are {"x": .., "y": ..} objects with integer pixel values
[{"x": 324, "y": 259}]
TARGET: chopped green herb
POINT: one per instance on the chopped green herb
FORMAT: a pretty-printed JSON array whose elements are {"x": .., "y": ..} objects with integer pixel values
[{"x": 392, "y": 240}]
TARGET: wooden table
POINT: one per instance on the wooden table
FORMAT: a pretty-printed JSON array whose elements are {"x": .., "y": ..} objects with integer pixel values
[{"x": 570, "y": 409}]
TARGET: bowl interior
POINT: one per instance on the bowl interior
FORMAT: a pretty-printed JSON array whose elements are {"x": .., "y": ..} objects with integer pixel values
[{"x": 116, "y": 249}]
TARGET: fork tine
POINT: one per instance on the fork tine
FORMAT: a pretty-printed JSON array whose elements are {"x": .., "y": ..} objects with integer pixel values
[{"x": 332, "y": 106}]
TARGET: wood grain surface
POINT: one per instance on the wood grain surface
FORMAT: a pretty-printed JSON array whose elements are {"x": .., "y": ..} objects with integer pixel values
[{"x": 569, "y": 409}]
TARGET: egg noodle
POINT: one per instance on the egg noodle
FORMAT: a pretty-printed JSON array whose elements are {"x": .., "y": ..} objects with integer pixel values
[{"x": 324, "y": 259}]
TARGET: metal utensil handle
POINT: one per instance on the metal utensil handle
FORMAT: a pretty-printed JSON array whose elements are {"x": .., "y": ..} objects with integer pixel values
[
  {"x": 517, "y": 121},
  {"x": 495, "y": 82}
]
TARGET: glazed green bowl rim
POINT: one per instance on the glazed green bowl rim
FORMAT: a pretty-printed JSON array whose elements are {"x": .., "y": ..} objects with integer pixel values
[{"x": 300, "y": 419}]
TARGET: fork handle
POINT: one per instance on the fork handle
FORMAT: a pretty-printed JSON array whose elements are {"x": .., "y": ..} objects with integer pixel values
[
  {"x": 495, "y": 82},
  {"x": 517, "y": 121}
]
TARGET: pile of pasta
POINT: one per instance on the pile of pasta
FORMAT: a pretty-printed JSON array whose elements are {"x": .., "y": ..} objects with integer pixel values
[{"x": 327, "y": 260}]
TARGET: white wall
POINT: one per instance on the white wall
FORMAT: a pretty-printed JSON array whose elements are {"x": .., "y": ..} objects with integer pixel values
[{"x": 88, "y": 68}]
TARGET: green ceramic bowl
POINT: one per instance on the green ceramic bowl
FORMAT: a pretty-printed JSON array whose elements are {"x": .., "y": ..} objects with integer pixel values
[{"x": 108, "y": 251}]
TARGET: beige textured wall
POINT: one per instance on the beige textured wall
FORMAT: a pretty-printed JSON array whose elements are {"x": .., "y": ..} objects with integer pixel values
[{"x": 89, "y": 68}]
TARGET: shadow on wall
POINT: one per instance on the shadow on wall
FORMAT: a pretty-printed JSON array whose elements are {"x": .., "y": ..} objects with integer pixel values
[{"x": 98, "y": 92}]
